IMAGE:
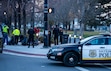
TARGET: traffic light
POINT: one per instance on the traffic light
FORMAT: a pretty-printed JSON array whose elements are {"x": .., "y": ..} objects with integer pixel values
[{"x": 51, "y": 10}]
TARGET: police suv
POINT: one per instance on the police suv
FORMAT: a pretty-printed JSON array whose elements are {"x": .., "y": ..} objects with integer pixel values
[{"x": 93, "y": 49}]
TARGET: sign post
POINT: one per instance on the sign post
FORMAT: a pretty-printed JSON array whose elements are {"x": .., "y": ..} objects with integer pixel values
[{"x": 45, "y": 23}]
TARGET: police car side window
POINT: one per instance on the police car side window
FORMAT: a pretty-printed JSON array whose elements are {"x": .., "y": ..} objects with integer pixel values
[
  {"x": 109, "y": 41},
  {"x": 97, "y": 41},
  {"x": 101, "y": 41},
  {"x": 94, "y": 42}
]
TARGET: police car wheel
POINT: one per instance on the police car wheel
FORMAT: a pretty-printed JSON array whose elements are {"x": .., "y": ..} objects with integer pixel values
[{"x": 70, "y": 59}]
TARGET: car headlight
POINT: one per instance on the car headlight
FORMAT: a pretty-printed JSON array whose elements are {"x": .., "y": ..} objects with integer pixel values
[{"x": 57, "y": 49}]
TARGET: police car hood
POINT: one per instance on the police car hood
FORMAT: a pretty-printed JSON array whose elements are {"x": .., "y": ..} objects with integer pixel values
[{"x": 67, "y": 45}]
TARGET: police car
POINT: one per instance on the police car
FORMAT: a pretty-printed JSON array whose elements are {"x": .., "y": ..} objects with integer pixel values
[{"x": 93, "y": 49}]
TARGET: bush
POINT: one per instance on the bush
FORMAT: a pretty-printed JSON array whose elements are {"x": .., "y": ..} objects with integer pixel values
[{"x": 41, "y": 39}]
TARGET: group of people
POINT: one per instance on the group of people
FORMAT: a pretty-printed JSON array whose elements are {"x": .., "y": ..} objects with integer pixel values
[
  {"x": 31, "y": 33},
  {"x": 57, "y": 32},
  {"x": 15, "y": 37},
  {"x": 4, "y": 33}
]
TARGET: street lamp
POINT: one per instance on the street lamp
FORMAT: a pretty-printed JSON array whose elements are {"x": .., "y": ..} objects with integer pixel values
[
  {"x": 50, "y": 10},
  {"x": 5, "y": 13}
]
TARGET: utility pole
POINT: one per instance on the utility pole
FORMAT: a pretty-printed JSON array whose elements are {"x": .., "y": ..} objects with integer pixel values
[{"x": 45, "y": 23}]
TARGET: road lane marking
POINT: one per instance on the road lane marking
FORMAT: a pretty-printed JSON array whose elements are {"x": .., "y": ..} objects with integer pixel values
[
  {"x": 81, "y": 68},
  {"x": 24, "y": 55},
  {"x": 103, "y": 65},
  {"x": 42, "y": 66}
]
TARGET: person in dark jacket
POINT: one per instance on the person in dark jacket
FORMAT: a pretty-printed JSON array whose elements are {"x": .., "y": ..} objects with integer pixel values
[
  {"x": 56, "y": 35},
  {"x": 31, "y": 37},
  {"x": 61, "y": 34}
]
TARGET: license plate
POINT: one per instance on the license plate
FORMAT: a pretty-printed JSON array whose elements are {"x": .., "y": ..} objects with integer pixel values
[{"x": 52, "y": 57}]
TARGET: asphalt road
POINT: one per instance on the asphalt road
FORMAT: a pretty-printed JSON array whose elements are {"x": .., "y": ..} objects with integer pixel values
[{"x": 20, "y": 63}]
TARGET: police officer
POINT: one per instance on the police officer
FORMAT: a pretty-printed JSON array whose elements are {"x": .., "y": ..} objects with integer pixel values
[
  {"x": 16, "y": 33},
  {"x": 56, "y": 35},
  {"x": 5, "y": 34},
  {"x": 31, "y": 33}
]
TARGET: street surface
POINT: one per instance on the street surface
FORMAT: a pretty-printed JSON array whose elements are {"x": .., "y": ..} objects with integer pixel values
[{"x": 20, "y": 63}]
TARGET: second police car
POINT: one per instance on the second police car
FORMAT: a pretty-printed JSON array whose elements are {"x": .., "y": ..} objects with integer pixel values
[{"x": 93, "y": 49}]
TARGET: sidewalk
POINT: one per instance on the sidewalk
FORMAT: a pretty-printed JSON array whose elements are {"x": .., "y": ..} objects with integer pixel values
[{"x": 38, "y": 50}]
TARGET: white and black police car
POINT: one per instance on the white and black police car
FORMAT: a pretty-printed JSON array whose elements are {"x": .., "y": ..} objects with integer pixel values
[{"x": 93, "y": 49}]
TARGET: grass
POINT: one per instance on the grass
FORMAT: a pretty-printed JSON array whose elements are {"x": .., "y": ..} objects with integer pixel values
[
  {"x": 90, "y": 33},
  {"x": 86, "y": 33}
]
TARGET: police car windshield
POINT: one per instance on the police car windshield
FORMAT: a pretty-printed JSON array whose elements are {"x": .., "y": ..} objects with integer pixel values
[{"x": 86, "y": 39}]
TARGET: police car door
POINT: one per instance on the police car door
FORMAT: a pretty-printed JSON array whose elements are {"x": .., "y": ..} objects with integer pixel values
[{"x": 93, "y": 49}]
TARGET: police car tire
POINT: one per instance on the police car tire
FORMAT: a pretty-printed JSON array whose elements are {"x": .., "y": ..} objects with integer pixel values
[{"x": 67, "y": 57}]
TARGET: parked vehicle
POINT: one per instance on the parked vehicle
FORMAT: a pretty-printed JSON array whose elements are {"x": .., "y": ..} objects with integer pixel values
[{"x": 93, "y": 49}]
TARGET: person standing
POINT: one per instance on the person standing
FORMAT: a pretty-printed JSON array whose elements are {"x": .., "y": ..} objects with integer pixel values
[
  {"x": 5, "y": 34},
  {"x": 16, "y": 33},
  {"x": 31, "y": 33},
  {"x": 56, "y": 35},
  {"x": 37, "y": 30},
  {"x": 61, "y": 34}
]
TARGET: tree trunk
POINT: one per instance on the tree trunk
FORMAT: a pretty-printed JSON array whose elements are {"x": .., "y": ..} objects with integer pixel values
[
  {"x": 19, "y": 17},
  {"x": 24, "y": 21},
  {"x": 15, "y": 19}
]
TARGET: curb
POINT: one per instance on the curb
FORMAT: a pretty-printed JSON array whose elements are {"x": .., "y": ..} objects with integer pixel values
[{"x": 6, "y": 50}]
